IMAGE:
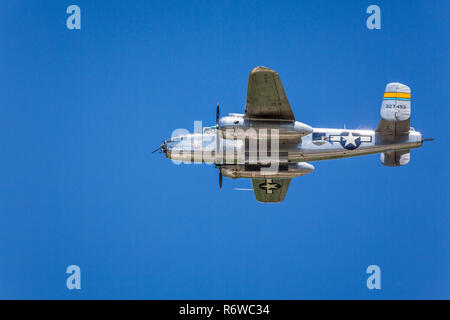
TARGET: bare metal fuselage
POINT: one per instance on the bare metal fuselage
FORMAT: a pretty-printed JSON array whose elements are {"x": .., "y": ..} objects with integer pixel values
[{"x": 296, "y": 144}]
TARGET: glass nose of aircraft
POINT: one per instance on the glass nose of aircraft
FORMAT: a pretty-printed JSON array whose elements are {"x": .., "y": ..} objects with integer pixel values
[
  {"x": 169, "y": 144},
  {"x": 162, "y": 147}
]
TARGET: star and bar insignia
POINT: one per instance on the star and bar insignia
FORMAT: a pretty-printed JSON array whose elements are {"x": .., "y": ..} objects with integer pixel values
[
  {"x": 350, "y": 140},
  {"x": 269, "y": 186}
]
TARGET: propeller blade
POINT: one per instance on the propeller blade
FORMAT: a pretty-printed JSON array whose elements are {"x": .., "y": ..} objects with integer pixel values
[
  {"x": 428, "y": 139},
  {"x": 156, "y": 150},
  {"x": 218, "y": 145},
  {"x": 217, "y": 116},
  {"x": 217, "y": 132}
]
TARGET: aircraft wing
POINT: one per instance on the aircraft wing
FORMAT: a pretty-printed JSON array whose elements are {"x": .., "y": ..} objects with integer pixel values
[
  {"x": 270, "y": 190},
  {"x": 266, "y": 98}
]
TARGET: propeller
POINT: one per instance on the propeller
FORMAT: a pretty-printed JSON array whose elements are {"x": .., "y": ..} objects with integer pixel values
[
  {"x": 428, "y": 139},
  {"x": 217, "y": 116},
  {"x": 219, "y": 166}
]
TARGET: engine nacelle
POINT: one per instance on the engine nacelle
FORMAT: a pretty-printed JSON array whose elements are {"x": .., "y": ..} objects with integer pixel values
[
  {"x": 286, "y": 171},
  {"x": 236, "y": 126}
]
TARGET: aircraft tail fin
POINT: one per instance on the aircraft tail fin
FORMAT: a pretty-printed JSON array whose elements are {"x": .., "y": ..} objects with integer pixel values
[
  {"x": 395, "y": 110},
  {"x": 395, "y": 158}
]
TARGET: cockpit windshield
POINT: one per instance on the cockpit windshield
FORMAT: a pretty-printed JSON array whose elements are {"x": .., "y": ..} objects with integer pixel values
[
  {"x": 176, "y": 139},
  {"x": 209, "y": 129}
]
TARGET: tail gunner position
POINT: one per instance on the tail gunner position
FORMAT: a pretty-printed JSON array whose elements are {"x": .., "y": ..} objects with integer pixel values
[{"x": 269, "y": 120}]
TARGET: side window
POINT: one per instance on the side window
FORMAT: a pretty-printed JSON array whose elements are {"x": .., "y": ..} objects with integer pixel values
[{"x": 319, "y": 136}]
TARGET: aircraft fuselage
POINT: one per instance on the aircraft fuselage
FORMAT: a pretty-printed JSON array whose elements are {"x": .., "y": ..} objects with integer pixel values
[{"x": 320, "y": 144}]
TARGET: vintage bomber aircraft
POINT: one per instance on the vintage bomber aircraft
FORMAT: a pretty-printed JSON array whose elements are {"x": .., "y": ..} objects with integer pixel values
[{"x": 268, "y": 108}]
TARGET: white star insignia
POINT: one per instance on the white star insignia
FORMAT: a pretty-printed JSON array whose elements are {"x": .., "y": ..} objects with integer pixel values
[
  {"x": 269, "y": 186},
  {"x": 350, "y": 139}
]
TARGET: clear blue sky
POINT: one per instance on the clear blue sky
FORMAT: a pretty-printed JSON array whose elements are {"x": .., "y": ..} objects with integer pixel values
[{"x": 81, "y": 111}]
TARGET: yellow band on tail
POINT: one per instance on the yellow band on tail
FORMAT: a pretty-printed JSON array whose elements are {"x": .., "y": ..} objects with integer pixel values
[{"x": 403, "y": 95}]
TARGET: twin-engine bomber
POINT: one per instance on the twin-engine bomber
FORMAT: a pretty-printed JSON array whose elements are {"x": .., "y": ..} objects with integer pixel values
[{"x": 267, "y": 144}]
